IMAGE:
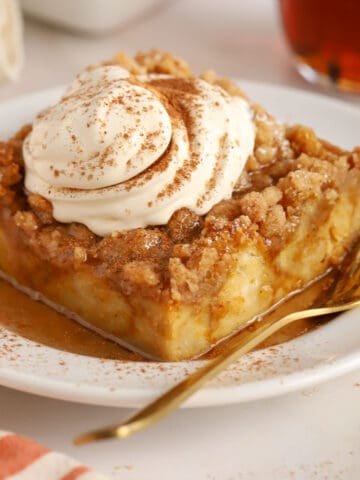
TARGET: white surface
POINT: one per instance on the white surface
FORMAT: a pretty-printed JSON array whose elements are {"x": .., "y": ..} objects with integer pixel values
[
  {"x": 310, "y": 435},
  {"x": 237, "y": 38},
  {"x": 325, "y": 353},
  {"x": 92, "y": 16}
]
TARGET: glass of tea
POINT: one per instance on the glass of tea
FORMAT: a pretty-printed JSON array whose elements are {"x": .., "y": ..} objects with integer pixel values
[{"x": 325, "y": 38}]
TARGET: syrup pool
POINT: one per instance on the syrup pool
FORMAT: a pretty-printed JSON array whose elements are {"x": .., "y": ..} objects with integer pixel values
[{"x": 38, "y": 322}]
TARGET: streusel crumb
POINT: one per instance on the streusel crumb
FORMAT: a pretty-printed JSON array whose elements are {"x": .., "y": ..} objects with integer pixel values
[{"x": 190, "y": 255}]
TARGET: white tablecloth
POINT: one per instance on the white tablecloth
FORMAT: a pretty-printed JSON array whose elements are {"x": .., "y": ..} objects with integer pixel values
[{"x": 308, "y": 435}]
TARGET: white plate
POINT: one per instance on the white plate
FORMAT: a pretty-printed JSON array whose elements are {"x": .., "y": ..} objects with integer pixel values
[{"x": 318, "y": 356}]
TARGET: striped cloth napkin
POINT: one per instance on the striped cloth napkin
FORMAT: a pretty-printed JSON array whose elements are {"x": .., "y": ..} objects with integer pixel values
[{"x": 24, "y": 459}]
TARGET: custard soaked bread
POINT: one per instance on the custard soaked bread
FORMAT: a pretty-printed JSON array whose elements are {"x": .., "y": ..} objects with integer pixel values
[{"x": 168, "y": 210}]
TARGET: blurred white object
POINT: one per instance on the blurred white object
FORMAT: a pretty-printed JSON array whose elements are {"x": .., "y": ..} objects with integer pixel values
[
  {"x": 90, "y": 16},
  {"x": 11, "y": 40}
]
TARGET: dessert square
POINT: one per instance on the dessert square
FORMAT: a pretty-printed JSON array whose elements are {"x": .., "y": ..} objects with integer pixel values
[{"x": 167, "y": 210}]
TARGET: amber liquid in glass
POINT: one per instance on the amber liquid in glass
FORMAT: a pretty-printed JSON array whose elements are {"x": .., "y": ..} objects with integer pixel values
[{"x": 325, "y": 37}]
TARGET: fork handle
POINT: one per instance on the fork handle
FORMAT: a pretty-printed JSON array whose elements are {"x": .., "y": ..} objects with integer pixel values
[{"x": 175, "y": 396}]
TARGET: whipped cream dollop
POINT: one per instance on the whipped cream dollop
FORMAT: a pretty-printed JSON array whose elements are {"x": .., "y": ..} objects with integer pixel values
[{"x": 119, "y": 152}]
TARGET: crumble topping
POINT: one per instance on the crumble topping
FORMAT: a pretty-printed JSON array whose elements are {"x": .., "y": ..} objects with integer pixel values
[
  {"x": 190, "y": 255},
  {"x": 154, "y": 61}
]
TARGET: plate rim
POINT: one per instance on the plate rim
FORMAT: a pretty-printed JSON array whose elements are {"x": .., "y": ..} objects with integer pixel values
[{"x": 208, "y": 396}]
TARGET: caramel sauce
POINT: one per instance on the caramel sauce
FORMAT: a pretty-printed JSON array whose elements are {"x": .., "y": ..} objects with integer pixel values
[{"x": 40, "y": 323}]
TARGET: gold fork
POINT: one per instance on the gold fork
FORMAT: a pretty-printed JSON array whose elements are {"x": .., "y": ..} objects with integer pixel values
[{"x": 344, "y": 295}]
